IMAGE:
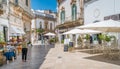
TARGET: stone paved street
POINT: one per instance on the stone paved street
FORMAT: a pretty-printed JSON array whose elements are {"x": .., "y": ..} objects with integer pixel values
[
  {"x": 57, "y": 59},
  {"x": 53, "y": 57},
  {"x": 36, "y": 56}
]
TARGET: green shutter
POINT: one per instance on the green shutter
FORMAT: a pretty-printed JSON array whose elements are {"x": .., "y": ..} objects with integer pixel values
[
  {"x": 62, "y": 16},
  {"x": 74, "y": 12}
]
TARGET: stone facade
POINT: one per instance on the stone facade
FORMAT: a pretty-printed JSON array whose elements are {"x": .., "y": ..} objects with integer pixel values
[
  {"x": 15, "y": 18},
  {"x": 45, "y": 20},
  {"x": 4, "y": 26},
  {"x": 20, "y": 16}
]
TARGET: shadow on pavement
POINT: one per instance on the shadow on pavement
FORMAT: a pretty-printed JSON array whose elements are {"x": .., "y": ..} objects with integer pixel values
[
  {"x": 103, "y": 59},
  {"x": 39, "y": 57},
  {"x": 36, "y": 56}
]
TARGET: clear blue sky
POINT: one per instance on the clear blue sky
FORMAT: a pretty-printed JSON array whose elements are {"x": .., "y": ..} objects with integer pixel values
[{"x": 44, "y": 4}]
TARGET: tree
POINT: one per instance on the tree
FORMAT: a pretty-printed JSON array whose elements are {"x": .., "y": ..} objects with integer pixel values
[{"x": 40, "y": 31}]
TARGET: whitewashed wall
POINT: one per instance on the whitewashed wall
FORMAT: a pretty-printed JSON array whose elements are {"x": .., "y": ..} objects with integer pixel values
[
  {"x": 38, "y": 23},
  {"x": 67, "y": 5},
  {"x": 99, "y": 9},
  {"x": 53, "y": 25}
]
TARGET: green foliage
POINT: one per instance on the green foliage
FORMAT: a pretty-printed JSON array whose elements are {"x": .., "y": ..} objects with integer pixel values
[
  {"x": 87, "y": 37},
  {"x": 108, "y": 38},
  {"x": 79, "y": 39},
  {"x": 39, "y": 30},
  {"x": 101, "y": 36},
  {"x": 3, "y": 42},
  {"x": 62, "y": 41},
  {"x": 29, "y": 42},
  {"x": 105, "y": 37},
  {"x": 52, "y": 40}
]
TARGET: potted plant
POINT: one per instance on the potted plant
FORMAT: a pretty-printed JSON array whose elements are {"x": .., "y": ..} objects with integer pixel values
[
  {"x": 87, "y": 37},
  {"x": 108, "y": 39},
  {"x": 62, "y": 41},
  {"x": 70, "y": 48},
  {"x": 29, "y": 43},
  {"x": 52, "y": 41},
  {"x": 3, "y": 43}
]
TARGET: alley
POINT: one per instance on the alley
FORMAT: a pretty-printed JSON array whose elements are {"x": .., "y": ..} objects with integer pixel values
[{"x": 36, "y": 56}]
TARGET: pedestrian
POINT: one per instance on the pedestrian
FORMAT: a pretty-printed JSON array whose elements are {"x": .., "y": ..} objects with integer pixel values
[{"x": 24, "y": 50}]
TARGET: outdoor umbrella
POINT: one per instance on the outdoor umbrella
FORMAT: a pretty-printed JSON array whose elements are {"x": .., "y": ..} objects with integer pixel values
[
  {"x": 49, "y": 34},
  {"x": 107, "y": 26},
  {"x": 79, "y": 31},
  {"x": 84, "y": 31}
]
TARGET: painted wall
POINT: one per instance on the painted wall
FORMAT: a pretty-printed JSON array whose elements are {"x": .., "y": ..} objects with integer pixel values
[
  {"x": 68, "y": 12},
  {"x": 99, "y": 9},
  {"x": 53, "y": 25},
  {"x": 38, "y": 20}
]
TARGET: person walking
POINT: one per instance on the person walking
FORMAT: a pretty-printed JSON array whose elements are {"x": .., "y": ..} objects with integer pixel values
[{"x": 24, "y": 50}]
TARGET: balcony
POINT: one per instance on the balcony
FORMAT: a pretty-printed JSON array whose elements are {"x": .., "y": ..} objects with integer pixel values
[
  {"x": 69, "y": 23},
  {"x": 2, "y": 2},
  {"x": 44, "y": 16}
]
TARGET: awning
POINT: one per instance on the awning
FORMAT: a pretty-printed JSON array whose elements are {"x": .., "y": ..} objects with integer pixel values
[
  {"x": 15, "y": 30},
  {"x": 4, "y": 22},
  {"x": 21, "y": 31}
]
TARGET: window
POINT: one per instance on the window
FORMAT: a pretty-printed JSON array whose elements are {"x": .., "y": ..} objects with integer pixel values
[
  {"x": 26, "y": 2},
  {"x": 16, "y": 2},
  {"x": 74, "y": 12},
  {"x": 62, "y": 16},
  {"x": 50, "y": 26},
  {"x": 40, "y": 25}
]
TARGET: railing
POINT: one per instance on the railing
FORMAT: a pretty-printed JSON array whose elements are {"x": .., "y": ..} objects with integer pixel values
[
  {"x": 39, "y": 14},
  {"x": 69, "y": 18}
]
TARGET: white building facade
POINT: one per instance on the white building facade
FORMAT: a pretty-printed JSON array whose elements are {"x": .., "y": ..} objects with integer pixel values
[
  {"x": 45, "y": 20},
  {"x": 70, "y": 15},
  {"x": 100, "y": 10}
]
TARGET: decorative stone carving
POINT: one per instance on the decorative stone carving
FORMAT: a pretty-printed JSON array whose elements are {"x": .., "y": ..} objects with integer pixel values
[{"x": 73, "y": 2}]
